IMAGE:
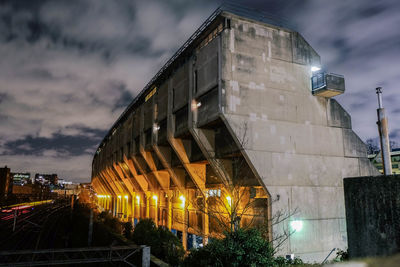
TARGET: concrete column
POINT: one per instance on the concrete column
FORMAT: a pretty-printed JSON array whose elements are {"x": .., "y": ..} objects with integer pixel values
[
  {"x": 169, "y": 213},
  {"x": 133, "y": 207},
  {"x": 156, "y": 204},
  {"x": 185, "y": 226},
  {"x": 145, "y": 256},
  {"x": 147, "y": 207},
  {"x": 205, "y": 223},
  {"x": 115, "y": 202},
  {"x": 139, "y": 205}
]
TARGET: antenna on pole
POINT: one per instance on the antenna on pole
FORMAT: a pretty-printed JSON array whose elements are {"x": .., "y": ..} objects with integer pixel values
[
  {"x": 383, "y": 135},
  {"x": 379, "y": 93}
]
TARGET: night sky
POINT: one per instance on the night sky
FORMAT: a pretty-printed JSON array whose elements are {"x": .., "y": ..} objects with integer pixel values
[{"x": 69, "y": 68}]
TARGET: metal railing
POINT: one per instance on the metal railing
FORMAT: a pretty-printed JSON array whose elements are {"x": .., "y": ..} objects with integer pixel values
[
  {"x": 322, "y": 80},
  {"x": 50, "y": 257}
]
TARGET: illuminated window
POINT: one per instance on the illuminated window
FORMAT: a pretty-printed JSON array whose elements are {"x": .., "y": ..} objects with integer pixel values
[{"x": 214, "y": 193}]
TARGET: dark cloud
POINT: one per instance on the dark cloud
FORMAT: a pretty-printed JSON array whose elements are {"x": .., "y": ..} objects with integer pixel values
[
  {"x": 68, "y": 70},
  {"x": 59, "y": 144}
]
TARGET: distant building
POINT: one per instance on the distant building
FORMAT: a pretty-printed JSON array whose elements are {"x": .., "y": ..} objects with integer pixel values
[
  {"x": 5, "y": 183},
  {"x": 21, "y": 178},
  {"x": 62, "y": 182},
  {"x": 376, "y": 159},
  {"x": 46, "y": 179}
]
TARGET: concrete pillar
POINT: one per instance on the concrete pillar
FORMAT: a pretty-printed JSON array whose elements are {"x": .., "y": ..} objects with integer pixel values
[
  {"x": 115, "y": 206},
  {"x": 139, "y": 206},
  {"x": 155, "y": 209},
  {"x": 133, "y": 207},
  {"x": 169, "y": 213},
  {"x": 185, "y": 227},
  {"x": 147, "y": 207},
  {"x": 205, "y": 223},
  {"x": 145, "y": 256}
]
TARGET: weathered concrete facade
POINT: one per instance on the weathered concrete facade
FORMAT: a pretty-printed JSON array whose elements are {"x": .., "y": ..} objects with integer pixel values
[{"x": 238, "y": 95}]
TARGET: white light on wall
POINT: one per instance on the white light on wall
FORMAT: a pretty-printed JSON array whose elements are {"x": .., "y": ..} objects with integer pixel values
[
  {"x": 183, "y": 199},
  {"x": 297, "y": 225},
  {"x": 315, "y": 68},
  {"x": 126, "y": 197}
]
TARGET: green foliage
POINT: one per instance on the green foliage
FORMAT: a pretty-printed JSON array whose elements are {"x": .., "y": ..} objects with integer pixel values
[
  {"x": 239, "y": 248},
  {"x": 145, "y": 232},
  {"x": 341, "y": 255},
  {"x": 163, "y": 243},
  {"x": 109, "y": 221},
  {"x": 170, "y": 247},
  {"x": 127, "y": 232},
  {"x": 283, "y": 262}
]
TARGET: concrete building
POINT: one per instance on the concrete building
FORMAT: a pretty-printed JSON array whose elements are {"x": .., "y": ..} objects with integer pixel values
[
  {"x": 46, "y": 179},
  {"x": 376, "y": 159},
  {"x": 236, "y": 107},
  {"x": 21, "y": 178},
  {"x": 6, "y": 183}
]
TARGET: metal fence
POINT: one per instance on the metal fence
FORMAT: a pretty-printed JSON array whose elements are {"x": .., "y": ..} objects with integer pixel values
[{"x": 130, "y": 255}]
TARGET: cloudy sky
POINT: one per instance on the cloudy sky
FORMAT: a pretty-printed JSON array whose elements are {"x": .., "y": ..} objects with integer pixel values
[{"x": 69, "y": 68}]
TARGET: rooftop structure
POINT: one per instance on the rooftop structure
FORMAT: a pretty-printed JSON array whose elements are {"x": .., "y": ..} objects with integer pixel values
[{"x": 236, "y": 117}]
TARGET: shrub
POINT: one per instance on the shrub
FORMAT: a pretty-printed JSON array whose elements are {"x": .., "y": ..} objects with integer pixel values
[
  {"x": 341, "y": 255},
  {"x": 127, "y": 232},
  {"x": 109, "y": 221},
  {"x": 163, "y": 243},
  {"x": 283, "y": 262},
  {"x": 145, "y": 232},
  {"x": 239, "y": 248}
]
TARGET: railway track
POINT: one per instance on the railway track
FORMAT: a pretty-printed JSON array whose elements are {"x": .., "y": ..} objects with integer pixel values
[{"x": 30, "y": 227}]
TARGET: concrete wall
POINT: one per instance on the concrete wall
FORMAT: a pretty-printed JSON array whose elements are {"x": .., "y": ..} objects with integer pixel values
[
  {"x": 300, "y": 145},
  {"x": 373, "y": 215}
]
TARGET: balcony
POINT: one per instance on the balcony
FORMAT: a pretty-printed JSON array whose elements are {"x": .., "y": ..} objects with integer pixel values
[{"x": 327, "y": 84}]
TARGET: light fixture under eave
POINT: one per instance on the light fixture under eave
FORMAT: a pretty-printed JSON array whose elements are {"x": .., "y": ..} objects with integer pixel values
[
  {"x": 126, "y": 197},
  {"x": 155, "y": 199},
  {"x": 183, "y": 199},
  {"x": 315, "y": 68},
  {"x": 138, "y": 200}
]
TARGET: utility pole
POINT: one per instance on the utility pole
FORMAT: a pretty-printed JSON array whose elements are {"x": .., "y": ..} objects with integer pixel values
[
  {"x": 90, "y": 234},
  {"x": 15, "y": 219},
  {"x": 383, "y": 135}
]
